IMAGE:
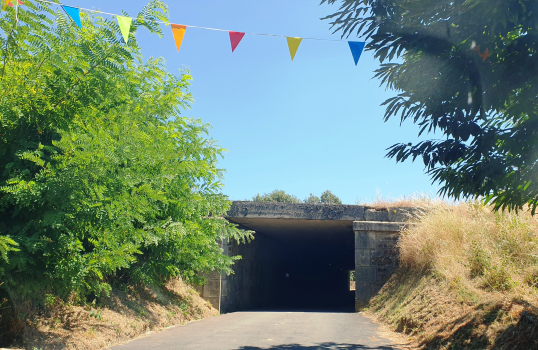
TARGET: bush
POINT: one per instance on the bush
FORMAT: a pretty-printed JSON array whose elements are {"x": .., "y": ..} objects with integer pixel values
[{"x": 101, "y": 178}]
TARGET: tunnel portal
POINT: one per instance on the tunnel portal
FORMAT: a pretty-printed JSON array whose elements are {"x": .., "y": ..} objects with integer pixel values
[{"x": 302, "y": 255}]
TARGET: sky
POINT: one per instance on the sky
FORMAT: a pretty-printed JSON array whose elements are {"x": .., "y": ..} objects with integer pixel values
[{"x": 305, "y": 126}]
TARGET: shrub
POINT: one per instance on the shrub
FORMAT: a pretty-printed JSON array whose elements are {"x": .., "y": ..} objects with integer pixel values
[{"x": 101, "y": 178}]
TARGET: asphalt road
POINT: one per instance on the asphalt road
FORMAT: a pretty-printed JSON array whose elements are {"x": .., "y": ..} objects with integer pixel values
[{"x": 269, "y": 330}]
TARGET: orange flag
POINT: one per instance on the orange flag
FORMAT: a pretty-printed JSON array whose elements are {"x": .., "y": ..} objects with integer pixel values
[{"x": 179, "y": 32}]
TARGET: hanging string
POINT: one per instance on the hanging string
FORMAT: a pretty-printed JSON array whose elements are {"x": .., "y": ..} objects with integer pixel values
[{"x": 198, "y": 27}]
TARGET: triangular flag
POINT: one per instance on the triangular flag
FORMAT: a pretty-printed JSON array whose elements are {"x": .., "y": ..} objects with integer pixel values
[
  {"x": 9, "y": 3},
  {"x": 293, "y": 45},
  {"x": 74, "y": 13},
  {"x": 356, "y": 49},
  {"x": 179, "y": 32},
  {"x": 125, "y": 26},
  {"x": 235, "y": 39}
]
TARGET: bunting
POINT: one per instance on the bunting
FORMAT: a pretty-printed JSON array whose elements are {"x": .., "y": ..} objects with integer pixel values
[
  {"x": 235, "y": 39},
  {"x": 179, "y": 32},
  {"x": 356, "y": 49},
  {"x": 74, "y": 13},
  {"x": 125, "y": 26},
  {"x": 9, "y": 3},
  {"x": 293, "y": 45}
]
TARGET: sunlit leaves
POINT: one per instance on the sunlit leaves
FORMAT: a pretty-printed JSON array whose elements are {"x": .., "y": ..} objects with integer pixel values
[{"x": 101, "y": 178}]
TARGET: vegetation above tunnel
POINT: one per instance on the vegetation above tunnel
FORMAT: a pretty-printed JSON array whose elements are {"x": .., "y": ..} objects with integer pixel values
[{"x": 327, "y": 197}]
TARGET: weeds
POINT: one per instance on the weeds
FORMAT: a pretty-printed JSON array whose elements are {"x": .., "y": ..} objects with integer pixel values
[{"x": 469, "y": 243}]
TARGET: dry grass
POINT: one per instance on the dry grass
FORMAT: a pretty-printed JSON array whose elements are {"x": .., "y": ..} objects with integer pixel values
[
  {"x": 472, "y": 246},
  {"x": 418, "y": 200},
  {"x": 468, "y": 279},
  {"x": 116, "y": 319}
]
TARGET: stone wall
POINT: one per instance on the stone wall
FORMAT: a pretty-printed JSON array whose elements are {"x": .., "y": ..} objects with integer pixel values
[
  {"x": 376, "y": 257},
  {"x": 210, "y": 291},
  {"x": 250, "y": 286}
]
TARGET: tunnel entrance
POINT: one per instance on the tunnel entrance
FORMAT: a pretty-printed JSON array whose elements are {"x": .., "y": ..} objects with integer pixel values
[
  {"x": 304, "y": 256},
  {"x": 293, "y": 263},
  {"x": 311, "y": 267}
]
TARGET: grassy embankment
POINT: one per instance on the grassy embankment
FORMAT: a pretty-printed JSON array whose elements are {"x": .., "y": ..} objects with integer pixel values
[
  {"x": 122, "y": 316},
  {"x": 468, "y": 280}
]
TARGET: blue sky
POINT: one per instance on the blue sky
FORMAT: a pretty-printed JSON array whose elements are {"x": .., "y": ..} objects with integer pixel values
[{"x": 303, "y": 126}]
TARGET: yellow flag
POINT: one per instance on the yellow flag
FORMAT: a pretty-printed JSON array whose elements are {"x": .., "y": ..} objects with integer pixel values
[
  {"x": 179, "y": 32},
  {"x": 125, "y": 26},
  {"x": 293, "y": 45}
]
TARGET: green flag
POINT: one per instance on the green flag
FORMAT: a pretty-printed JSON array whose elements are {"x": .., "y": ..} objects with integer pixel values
[{"x": 125, "y": 26}]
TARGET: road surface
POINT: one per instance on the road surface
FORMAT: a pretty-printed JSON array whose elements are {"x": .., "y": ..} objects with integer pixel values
[{"x": 269, "y": 330}]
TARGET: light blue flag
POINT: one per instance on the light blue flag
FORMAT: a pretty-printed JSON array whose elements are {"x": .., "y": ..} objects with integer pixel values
[
  {"x": 74, "y": 13},
  {"x": 356, "y": 49}
]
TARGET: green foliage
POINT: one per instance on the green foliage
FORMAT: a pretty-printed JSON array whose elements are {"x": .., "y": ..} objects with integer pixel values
[
  {"x": 312, "y": 199},
  {"x": 276, "y": 196},
  {"x": 7, "y": 245},
  {"x": 101, "y": 178},
  {"x": 328, "y": 197},
  {"x": 467, "y": 71}
]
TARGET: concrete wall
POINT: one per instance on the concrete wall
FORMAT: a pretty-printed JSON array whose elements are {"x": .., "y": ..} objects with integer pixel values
[
  {"x": 210, "y": 291},
  {"x": 376, "y": 257},
  {"x": 250, "y": 286},
  {"x": 258, "y": 280}
]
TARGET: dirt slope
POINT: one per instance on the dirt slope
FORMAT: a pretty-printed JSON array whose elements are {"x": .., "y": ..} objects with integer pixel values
[{"x": 122, "y": 316}]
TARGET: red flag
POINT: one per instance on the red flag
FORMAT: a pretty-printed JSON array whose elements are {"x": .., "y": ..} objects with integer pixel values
[{"x": 235, "y": 39}]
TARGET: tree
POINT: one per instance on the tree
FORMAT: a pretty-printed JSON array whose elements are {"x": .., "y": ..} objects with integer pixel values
[
  {"x": 101, "y": 178},
  {"x": 312, "y": 199},
  {"x": 328, "y": 197},
  {"x": 468, "y": 71},
  {"x": 276, "y": 196}
]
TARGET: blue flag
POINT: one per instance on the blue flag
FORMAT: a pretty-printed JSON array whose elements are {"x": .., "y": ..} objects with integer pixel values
[
  {"x": 356, "y": 49},
  {"x": 74, "y": 13}
]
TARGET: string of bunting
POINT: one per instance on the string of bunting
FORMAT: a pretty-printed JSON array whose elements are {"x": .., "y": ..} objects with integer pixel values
[{"x": 178, "y": 30}]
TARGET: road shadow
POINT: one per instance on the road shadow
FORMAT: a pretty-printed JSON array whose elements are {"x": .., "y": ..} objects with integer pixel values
[
  {"x": 321, "y": 346},
  {"x": 332, "y": 310}
]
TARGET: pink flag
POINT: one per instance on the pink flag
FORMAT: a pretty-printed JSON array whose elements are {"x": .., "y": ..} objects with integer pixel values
[{"x": 235, "y": 39}]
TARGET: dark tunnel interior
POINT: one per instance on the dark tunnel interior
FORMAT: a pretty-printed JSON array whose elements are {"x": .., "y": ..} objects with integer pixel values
[{"x": 293, "y": 265}]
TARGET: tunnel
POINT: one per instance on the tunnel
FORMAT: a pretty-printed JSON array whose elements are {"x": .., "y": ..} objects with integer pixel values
[{"x": 298, "y": 260}]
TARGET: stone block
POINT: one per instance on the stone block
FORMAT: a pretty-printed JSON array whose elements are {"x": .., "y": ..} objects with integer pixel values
[
  {"x": 215, "y": 302},
  {"x": 362, "y": 257},
  {"x": 362, "y": 291},
  {"x": 212, "y": 289},
  {"x": 375, "y": 215},
  {"x": 365, "y": 240},
  {"x": 402, "y": 214},
  {"x": 365, "y": 274},
  {"x": 386, "y": 240},
  {"x": 378, "y": 226},
  {"x": 362, "y": 295},
  {"x": 383, "y": 258},
  {"x": 374, "y": 288},
  {"x": 213, "y": 275},
  {"x": 384, "y": 273}
]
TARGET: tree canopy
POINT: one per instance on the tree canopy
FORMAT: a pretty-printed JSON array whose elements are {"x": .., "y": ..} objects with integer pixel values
[
  {"x": 101, "y": 178},
  {"x": 276, "y": 196},
  {"x": 327, "y": 197},
  {"x": 466, "y": 70}
]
